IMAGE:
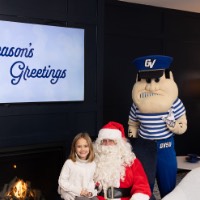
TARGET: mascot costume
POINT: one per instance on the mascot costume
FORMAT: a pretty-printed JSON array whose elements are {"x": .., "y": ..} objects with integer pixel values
[{"x": 155, "y": 116}]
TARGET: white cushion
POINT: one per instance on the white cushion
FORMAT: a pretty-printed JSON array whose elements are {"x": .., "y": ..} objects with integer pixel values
[{"x": 188, "y": 188}]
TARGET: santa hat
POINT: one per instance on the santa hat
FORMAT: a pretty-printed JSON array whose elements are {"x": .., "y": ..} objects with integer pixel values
[{"x": 112, "y": 130}]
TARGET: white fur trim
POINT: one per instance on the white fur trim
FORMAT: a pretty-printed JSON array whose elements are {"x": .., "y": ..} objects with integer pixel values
[
  {"x": 140, "y": 196},
  {"x": 107, "y": 133}
]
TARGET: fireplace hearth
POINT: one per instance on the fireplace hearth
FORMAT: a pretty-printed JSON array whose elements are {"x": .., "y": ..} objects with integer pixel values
[
  {"x": 18, "y": 189},
  {"x": 36, "y": 167}
]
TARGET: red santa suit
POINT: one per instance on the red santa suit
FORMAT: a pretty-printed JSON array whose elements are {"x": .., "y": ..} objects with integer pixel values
[{"x": 128, "y": 177}]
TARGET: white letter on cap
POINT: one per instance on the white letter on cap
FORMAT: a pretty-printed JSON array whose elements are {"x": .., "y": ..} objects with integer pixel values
[{"x": 149, "y": 63}]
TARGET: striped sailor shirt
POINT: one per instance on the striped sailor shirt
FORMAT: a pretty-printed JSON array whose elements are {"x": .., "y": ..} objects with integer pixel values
[{"x": 152, "y": 125}]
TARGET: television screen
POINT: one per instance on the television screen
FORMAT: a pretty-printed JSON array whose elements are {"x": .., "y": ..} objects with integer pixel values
[{"x": 41, "y": 63}]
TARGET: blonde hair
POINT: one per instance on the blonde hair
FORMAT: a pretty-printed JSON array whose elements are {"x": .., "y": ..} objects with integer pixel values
[{"x": 85, "y": 136}]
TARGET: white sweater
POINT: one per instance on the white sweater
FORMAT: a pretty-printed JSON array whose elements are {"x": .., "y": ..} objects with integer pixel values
[{"x": 74, "y": 177}]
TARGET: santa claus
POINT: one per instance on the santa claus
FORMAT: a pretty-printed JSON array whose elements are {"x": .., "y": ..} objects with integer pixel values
[{"x": 119, "y": 174}]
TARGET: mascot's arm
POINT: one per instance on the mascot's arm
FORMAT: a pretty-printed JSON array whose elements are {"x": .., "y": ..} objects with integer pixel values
[
  {"x": 180, "y": 125},
  {"x": 133, "y": 128}
]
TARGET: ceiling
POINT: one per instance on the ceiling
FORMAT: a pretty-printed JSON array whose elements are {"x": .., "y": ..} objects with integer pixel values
[{"x": 184, "y": 5}]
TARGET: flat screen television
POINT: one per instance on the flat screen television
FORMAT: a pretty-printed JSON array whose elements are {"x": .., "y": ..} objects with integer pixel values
[{"x": 41, "y": 63}]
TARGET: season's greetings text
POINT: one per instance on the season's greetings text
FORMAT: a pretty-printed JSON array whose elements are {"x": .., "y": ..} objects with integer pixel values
[{"x": 20, "y": 71}]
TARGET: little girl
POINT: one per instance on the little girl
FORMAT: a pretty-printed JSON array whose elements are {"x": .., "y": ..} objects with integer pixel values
[{"x": 76, "y": 177}]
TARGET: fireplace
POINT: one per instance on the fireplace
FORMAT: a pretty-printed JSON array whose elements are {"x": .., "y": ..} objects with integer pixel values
[{"x": 37, "y": 165}]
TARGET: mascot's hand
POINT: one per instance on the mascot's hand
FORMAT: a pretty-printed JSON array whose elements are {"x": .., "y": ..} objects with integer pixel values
[
  {"x": 133, "y": 128},
  {"x": 132, "y": 132},
  {"x": 180, "y": 125}
]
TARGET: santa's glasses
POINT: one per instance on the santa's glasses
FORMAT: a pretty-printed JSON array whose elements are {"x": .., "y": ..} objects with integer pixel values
[{"x": 108, "y": 142}]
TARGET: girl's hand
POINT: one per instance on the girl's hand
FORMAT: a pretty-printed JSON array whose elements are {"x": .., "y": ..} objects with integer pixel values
[{"x": 85, "y": 193}]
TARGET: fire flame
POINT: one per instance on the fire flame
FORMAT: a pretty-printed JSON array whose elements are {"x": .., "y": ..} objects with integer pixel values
[
  {"x": 20, "y": 189},
  {"x": 17, "y": 189}
]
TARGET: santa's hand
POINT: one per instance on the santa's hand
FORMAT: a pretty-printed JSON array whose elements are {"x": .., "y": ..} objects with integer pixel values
[{"x": 98, "y": 187}]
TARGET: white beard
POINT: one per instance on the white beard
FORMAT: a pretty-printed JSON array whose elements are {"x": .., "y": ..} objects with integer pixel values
[{"x": 110, "y": 168}]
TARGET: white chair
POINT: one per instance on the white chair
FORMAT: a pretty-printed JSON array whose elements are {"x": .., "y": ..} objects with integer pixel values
[{"x": 188, "y": 188}]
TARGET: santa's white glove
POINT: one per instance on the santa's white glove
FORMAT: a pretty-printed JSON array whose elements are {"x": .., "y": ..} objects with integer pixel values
[
  {"x": 98, "y": 187},
  {"x": 140, "y": 196}
]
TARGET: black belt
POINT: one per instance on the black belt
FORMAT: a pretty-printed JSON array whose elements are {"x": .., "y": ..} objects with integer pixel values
[{"x": 113, "y": 192}]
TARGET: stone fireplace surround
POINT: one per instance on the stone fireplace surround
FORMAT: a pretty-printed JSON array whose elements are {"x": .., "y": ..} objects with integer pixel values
[{"x": 39, "y": 164}]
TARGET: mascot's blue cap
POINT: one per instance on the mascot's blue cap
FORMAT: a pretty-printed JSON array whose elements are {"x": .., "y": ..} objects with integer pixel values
[{"x": 152, "y": 62}]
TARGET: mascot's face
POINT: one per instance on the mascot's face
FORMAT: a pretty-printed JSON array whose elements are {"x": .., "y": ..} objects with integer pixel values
[{"x": 155, "y": 95}]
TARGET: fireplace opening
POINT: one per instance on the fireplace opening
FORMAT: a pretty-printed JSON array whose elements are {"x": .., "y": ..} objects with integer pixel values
[{"x": 35, "y": 167}]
